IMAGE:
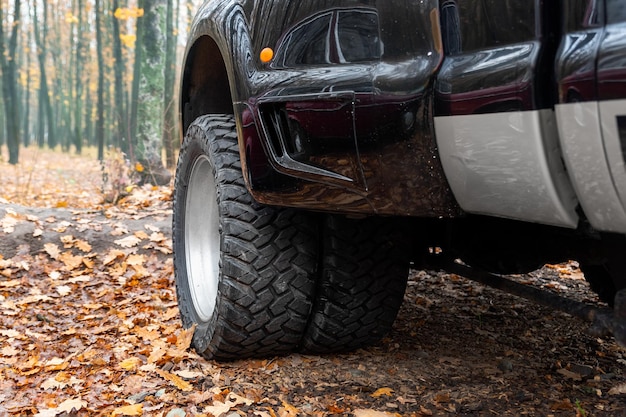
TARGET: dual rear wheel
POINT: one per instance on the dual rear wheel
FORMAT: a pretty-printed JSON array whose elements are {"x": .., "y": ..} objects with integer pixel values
[{"x": 258, "y": 280}]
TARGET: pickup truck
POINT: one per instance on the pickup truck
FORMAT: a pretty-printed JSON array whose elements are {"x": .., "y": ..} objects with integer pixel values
[{"x": 331, "y": 145}]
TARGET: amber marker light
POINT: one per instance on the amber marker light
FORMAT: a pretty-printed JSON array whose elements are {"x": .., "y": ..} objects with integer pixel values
[{"x": 266, "y": 55}]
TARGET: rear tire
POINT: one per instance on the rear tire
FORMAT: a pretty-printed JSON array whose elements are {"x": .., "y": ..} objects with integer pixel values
[
  {"x": 245, "y": 273},
  {"x": 364, "y": 271},
  {"x": 607, "y": 275}
]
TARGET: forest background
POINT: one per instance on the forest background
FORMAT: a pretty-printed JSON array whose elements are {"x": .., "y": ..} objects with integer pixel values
[{"x": 93, "y": 73}]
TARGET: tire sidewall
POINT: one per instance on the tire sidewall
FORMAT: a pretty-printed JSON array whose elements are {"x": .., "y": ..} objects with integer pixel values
[{"x": 197, "y": 144}]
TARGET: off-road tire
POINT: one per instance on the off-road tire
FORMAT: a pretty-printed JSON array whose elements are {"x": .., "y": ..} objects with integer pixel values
[
  {"x": 364, "y": 271},
  {"x": 264, "y": 272},
  {"x": 606, "y": 274}
]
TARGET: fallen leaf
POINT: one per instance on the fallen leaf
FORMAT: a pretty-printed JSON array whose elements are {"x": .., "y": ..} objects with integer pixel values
[
  {"x": 129, "y": 410},
  {"x": 56, "y": 364},
  {"x": 135, "y": 260},
  {"x": 178, "y": 382},
  {"x": 52, "y": 383},
  {"x": 112, "y": 255},
  {"x": 618, "y": 390},
  {"x": 62, "y": 227},
  {"x": 141, "y": 235},
  {"x": 128, "y": 241},
  {"x": 569, "y": 374},
  {"x": 11, "y": 283},
  {"x": 9, "y": 351},
  {"x": 130, "y": 364},
  {"x": 565, "y": 404},
  {"x": 71, "y": 262},
  {"x": 83, "y": 245},
  {"x": 289, "y": 410},
  {"x": 373, "y": 413},
  {"x": 63, "y": 290},
  {"x": 382, "y": 391},
  {"x": 184, "y": 339},
  {"x": 71, "y": 406},
  {"x": 189, "y": 374},
  {"x": 68, "y": 241},
  {"x": 52, "y": 250},
  {"x": 232, "y": 400}
]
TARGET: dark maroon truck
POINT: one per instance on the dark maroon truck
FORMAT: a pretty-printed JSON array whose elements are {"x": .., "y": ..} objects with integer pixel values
[{"x": 332, "y": 145}]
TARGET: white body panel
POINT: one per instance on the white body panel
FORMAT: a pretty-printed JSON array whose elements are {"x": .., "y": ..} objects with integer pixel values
[
  {"x": 593, "y": 156},
  {"x": 507, "y": 165}
]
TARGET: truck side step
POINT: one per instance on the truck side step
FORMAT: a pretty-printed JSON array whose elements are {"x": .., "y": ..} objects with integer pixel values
[{"x": 604, "y": 321}]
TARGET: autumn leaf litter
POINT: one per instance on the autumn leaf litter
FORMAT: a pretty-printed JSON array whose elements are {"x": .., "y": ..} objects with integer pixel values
[{"x": 89, "y": 326}]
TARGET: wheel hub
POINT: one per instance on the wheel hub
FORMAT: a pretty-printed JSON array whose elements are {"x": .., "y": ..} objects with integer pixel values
[{"x": 202, "y": 238}]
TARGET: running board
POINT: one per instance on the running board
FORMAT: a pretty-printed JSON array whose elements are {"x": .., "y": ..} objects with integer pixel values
[{"x": 604, "y": 321}]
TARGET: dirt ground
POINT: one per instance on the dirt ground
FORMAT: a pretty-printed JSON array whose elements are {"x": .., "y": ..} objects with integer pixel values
[{"x": 89, "y": 326}]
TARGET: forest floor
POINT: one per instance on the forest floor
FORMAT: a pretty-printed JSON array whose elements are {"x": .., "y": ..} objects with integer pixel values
[{"x": 89, "y": 326}]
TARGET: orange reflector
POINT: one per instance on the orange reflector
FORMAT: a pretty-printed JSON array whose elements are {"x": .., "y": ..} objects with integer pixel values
[{"x": 266, "y": 55}]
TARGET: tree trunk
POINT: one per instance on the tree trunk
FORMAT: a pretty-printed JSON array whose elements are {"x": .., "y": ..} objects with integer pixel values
[
  {"x": 169, "y": 114},
  {"x": 78, "y": 109},
  {"x": 45, "y": 113},
  {"x": 8, "y": 58},
  {"x": 148, "y": 92},
  {"x": 100, "y": 108},
  {"x": 134, "y": 99},
  {"x": 26, "y": 133},
  {"x": 121, "y": 116}
]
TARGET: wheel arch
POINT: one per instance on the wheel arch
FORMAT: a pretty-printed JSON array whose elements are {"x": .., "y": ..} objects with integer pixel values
[{"x": 205, "y": 84}]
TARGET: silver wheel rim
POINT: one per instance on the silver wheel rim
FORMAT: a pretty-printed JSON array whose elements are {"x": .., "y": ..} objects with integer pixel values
[{"x": 202, "y": 238}]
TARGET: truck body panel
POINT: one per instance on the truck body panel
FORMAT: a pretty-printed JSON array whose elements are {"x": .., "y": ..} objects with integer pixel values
[{"x": 425, "y": 108}]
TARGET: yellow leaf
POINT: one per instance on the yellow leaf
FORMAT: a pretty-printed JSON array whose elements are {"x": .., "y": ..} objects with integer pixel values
[
  {"x": 130, "y": 364},
  {"x": 382, "y": 391},
  {"x": 129, "y": 410},
  {"x": 178, "y": 382},
  {"x": 139, "y": 167},
  {"x": 129, "y": 42}
]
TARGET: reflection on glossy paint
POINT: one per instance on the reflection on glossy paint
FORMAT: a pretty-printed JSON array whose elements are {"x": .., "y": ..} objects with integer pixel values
[{"x": 335, "y": 36}]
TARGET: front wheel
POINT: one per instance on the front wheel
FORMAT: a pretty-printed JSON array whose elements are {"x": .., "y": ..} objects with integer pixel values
[{"x": 245, "y": 273}]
